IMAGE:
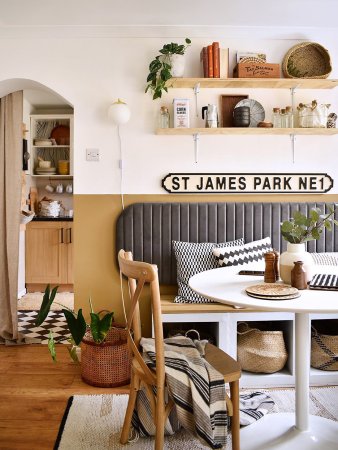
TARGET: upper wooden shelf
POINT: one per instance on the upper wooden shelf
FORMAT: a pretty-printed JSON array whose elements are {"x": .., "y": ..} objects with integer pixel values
[
  {"x": 260, "y": 83},
  {"x": 247, "y": 131}
]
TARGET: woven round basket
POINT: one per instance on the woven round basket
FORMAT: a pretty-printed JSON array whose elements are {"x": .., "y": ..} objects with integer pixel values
[
  {"x": 107, "y": 364},
  {"x": 260, "y": 351},
  {"x": 324, "y": 345},
  {"x": 307, "y": 60}
]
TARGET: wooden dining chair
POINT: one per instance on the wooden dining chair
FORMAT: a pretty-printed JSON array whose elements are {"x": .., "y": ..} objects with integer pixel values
[{"x": 140, "y": 274}]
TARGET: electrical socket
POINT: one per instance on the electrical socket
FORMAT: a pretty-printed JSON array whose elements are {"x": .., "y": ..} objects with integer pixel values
[{"x": 92, "y": 154}]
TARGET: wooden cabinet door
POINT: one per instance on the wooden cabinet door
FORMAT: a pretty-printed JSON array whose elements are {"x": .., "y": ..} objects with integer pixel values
[
  {"x": 68, "y": 227},
  {"x": 46, "y": 255}
]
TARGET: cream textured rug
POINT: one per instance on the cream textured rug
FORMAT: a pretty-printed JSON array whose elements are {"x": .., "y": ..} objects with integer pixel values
[
  {"x": 94, "y": 422},
  {"x": 32, "y": 301}
]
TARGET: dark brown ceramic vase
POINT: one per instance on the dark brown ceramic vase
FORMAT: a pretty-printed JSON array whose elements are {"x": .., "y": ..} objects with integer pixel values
[{"x": 298, "y": 276}]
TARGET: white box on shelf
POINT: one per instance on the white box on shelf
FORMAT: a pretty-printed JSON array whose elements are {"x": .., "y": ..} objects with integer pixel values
[{"x": 181, "y": 113}]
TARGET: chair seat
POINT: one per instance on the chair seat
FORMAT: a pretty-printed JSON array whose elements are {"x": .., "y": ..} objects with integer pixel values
[{"x": 223, "y": 363}]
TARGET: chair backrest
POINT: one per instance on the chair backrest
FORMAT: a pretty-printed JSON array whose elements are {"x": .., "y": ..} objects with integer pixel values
[{"x": 140, "y": 274}]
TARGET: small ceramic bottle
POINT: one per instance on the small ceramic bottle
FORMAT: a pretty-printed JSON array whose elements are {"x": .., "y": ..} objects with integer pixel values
[
  {"x": 269, "y": 274},
  {"x": 298, "y": 276}
]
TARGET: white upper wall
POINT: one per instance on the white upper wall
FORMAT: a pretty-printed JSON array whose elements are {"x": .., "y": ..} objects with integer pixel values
[{"x": 92, "y": 72}]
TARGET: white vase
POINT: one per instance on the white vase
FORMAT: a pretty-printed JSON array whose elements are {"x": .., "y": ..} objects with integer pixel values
[
  {"x": 177, "y": 65},
  {"x": 295, "y": 252}
]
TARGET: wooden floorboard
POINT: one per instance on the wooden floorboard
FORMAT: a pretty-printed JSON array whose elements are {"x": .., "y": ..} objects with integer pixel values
[{"x": 34, "y": 393}]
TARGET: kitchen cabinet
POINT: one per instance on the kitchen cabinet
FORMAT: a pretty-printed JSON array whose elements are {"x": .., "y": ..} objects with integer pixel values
[
  {"x": 43, "y": 128},
  {"x": 49, "y": 255}
]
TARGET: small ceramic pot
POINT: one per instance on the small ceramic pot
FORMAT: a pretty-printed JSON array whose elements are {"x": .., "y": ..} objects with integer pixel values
[{"x": 241, "y": 116}]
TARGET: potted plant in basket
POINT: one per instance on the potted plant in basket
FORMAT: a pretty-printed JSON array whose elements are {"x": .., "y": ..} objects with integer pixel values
[
  {"x": 168, "y": 64},
  {"x": 103, "y": 343},
  {"x": 297, "y": 231}
]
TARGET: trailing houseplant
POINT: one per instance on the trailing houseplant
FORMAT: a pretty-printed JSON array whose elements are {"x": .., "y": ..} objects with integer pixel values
[
  {"x": 297, "y": 231},
  {"x": 76, "y": 322},
  {"x": 161, "y": 68}
]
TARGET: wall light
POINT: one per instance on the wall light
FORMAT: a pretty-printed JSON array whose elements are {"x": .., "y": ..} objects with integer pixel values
[{"x": 119, "y": 114}]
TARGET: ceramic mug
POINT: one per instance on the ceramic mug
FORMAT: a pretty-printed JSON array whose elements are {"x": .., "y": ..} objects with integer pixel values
[
  {"x": 49, "y": 188},
  {"x": 59, "y": 188},
  {"x": 69, "y": 188}
]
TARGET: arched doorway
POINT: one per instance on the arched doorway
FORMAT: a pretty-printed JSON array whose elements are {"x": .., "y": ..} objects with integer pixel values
[{"x": 42, "y": 108}]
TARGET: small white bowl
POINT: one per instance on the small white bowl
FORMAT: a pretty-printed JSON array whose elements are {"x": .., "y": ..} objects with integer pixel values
[{"x": 45, "y": 164}]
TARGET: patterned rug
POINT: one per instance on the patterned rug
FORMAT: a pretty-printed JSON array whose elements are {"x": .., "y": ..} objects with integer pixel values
[
  {"x": 32, "y": 301},
  {"x": 55, "y": 321},
  {"x": 94, "y": 422}
]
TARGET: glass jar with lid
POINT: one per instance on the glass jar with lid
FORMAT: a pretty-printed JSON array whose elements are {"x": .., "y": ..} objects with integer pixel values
[
  {"x": 276, "y": 118},
  {"x": 164, "y": 117}
]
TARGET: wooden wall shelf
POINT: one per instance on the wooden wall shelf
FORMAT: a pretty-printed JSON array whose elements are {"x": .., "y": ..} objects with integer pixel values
[
  {"x": 257, "y": 83},
  {"x": 247, "y": 131}
]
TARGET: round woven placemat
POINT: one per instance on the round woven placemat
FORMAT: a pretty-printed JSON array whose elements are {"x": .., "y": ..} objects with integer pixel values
[
  {"x": 270, "y": 298},
  {"x": 271, "y": 290}
]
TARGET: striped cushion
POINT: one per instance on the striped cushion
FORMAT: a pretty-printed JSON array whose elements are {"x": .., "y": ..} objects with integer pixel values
[
  {"x": 324, "y": 259},
  {"x": 243, "y": 254},
  {"x": 325, "y": 282}
]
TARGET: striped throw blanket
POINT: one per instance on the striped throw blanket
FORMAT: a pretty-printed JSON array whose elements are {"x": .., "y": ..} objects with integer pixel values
[{"x": 198, "y": 391}]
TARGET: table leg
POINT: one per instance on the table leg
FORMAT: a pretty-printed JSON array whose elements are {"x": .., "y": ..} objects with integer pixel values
[{"x": 302, "y": 360}]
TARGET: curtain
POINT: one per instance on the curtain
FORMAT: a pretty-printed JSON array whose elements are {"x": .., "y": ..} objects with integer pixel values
[{"x": 10, "y": 202}]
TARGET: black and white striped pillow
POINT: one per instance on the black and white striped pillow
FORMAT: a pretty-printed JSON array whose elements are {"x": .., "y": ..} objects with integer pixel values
[
  {"x": 192, "y": 258},
  {"x": 325, "y": 259},
  {"x": 243, "y": 254}
]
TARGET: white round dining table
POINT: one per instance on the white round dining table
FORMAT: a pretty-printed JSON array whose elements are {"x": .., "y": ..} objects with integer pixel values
[{"x": 299, "y": 431}]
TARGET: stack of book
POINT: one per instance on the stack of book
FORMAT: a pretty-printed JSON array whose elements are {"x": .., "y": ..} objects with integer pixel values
[{"x": 215, "y": 61}]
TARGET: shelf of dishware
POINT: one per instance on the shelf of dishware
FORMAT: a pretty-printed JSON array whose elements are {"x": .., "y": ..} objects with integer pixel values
[
  {"x": 246, "y": 131},
  {"x": 256, "y": 83}
]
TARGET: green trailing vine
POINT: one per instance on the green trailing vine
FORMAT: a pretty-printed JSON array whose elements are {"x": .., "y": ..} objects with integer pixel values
[{"x": 160, "y": 67}]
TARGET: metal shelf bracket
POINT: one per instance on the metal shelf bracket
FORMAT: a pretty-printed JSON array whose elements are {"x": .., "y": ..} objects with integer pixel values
[
  {"x": 196, "y": 92},
  {"x": 293, "y": 140},
  {"x": 196, "y": 138}
]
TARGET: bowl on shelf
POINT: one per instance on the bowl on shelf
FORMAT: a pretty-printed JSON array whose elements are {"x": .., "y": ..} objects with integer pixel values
[{"x": 45, "y": 164}]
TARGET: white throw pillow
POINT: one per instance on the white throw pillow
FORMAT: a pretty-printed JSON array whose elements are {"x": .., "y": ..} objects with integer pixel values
[
  {"x": 243, "y": 254},
  {"x": 192, "y": 258},
  {"x": 325, "y": 259}
]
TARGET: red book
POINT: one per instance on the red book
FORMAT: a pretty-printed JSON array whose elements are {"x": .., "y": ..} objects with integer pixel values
[
  {"x": 204, "y": 59},
  {"x": 215, "y": 55},
  {"x": 210, "y": 62}
]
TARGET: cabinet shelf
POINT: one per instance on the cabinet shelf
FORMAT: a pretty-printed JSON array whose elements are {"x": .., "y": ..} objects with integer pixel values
[
  {"x": 247, "y": 131},
  {"x": 258, "y": 83},
  {"x": 51, "y": 146},
  {"x": 52, "y": 176}
]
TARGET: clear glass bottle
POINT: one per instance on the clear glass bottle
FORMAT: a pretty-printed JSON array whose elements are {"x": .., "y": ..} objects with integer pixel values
[
  {"x": 164, "y": 119},
  {"x": 283, "y": 118},
  {"x": 276, "y": 118},
  {"x": 289, "y": 115}
]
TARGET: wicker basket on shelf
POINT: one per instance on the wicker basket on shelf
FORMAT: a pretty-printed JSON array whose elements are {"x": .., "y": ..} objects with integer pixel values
[
  {"x": 307, "y": 60},
  {"x": 260, "y": 351},
  {"x": 324, "y": 344},
  {"x": 107, "y": 364}
]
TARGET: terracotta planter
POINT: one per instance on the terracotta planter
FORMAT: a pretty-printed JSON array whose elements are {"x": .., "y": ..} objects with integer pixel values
[{"x": 295, "y": 252}]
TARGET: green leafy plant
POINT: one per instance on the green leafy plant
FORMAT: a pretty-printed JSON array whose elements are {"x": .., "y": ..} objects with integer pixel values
[
  {"x": 77, "y": 325},
  {"x": 300, "y": 228},
  {"x": 160, "y": 67}
]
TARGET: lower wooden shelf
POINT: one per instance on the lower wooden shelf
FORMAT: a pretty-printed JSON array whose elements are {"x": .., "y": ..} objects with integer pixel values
[{"x": 247, "y": 131}]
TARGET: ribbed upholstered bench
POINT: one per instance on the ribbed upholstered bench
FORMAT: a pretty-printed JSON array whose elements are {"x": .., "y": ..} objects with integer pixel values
[{"x": 148, "y": 229}]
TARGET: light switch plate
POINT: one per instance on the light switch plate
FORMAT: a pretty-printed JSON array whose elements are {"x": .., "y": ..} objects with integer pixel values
[{"x": 92, "y": 154}]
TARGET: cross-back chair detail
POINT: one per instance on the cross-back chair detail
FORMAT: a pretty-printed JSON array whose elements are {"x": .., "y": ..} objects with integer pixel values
[{"x": 140, "y": 274}]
